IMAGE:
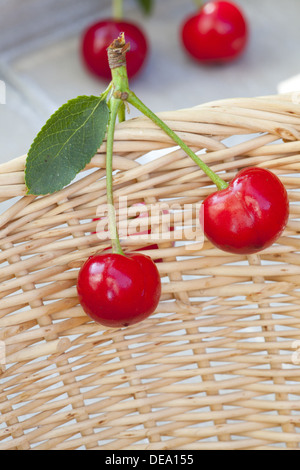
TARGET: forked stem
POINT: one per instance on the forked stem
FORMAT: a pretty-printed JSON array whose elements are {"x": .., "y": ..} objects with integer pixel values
[
  {"x": 117, "y": 60},
  {"x": 121, "y": 94}
]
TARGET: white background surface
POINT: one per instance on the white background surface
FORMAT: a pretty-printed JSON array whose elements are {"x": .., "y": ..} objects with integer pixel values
[{"x": 41, "y": 67}]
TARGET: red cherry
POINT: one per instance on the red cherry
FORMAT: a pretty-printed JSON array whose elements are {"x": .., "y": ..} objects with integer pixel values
[
  {"x": 217, "y": 33},
  {"x": 99, "y": 36},
  {"x": 249, "y": 215},
  {"x": 117, "y": 290}
]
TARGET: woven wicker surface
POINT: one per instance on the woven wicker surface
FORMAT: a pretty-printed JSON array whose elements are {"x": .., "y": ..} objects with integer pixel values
[{"x": 217, "y": 366}]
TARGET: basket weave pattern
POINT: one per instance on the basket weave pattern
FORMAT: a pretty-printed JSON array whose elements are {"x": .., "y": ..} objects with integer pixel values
[{"x": 216, "y": 367}]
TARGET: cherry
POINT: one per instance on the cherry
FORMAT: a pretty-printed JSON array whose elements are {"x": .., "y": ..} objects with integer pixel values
[
  {"x": 217, "y": 33},
  {"x": 117, "y": 290},
  {"x": 249, "y": 215},
  {"x": 99, "y": 36}
]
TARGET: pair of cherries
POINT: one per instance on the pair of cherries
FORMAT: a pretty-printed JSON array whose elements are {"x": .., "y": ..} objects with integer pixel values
[
  {"x": 249, "y": 215},
  {"x": 245, "y": 218},
  {"x": 218, "y": 32}
]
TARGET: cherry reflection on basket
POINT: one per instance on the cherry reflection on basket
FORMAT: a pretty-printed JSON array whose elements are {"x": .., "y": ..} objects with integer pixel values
[{"x": 135, "y": 225}]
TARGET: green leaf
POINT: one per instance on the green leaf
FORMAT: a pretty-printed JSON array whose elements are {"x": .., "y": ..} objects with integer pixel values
[
  {"x": 146, "y": 5},
  {"x": 66, "y": 144}
]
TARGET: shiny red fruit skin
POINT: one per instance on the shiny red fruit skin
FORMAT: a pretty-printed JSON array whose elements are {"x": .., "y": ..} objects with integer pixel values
[
  {"x": 118, "y": 291},
  {"x": 249, "y": 215},
  {"x": 217, "y": 33},
  {"x": 100, "y": 35}
]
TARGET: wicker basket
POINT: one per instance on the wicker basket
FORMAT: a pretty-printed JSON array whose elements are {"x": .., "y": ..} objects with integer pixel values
[{"x": 217, "y": 366}]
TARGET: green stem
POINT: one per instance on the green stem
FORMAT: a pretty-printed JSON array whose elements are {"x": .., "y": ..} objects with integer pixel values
[
  {"x": 114, "y": 110},
  {"x": 122, "y": 112},
  {"x": 117, "y": 8},
  {"x": 120, "y": 82},
  {"x": 199, "y": 3},
  {"x": 138, "y": 104}
]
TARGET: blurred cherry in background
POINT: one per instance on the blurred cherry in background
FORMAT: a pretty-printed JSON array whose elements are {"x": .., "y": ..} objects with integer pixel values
[
  {"x": 217, "y": 33},
  {"x": 99, "y": 35}
]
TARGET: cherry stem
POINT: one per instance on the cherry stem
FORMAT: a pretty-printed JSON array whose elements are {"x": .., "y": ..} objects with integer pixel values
[
  {"x": 117, "y": 61},
  {"x": 114, "y": 110},
  {"x": 199, "y": 3},
  {"x": 117, "y": 8},
  {"x": 138, "y": 104},
  {"x": 122, "y": 112}
]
